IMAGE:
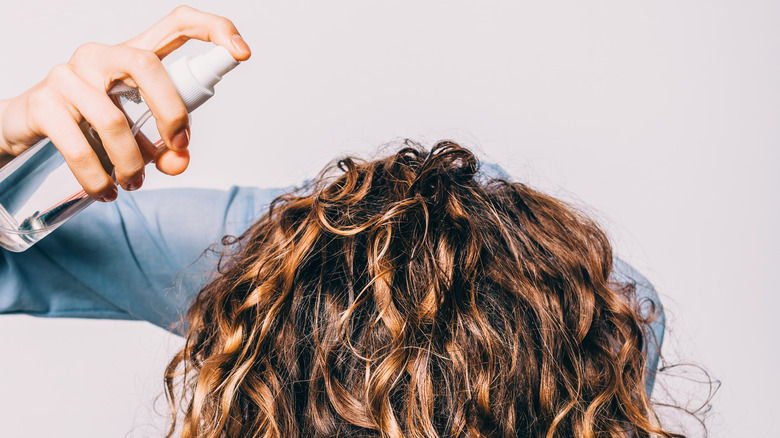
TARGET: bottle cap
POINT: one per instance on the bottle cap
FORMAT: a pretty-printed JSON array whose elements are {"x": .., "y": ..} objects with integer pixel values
[{"x": 195, "y": 78}]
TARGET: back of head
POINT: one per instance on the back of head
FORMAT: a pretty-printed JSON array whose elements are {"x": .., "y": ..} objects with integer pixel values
[{"x": 408, "y": 297}]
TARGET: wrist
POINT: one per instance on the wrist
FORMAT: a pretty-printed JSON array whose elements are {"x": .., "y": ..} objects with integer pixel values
[{"x": 5, "y": 151}]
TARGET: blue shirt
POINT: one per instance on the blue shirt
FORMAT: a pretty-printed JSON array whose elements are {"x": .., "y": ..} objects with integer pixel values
[{"x": 146, "y": 256}]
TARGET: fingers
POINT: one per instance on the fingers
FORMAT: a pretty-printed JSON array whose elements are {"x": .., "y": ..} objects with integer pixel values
[
  {"x": 109, "y": 122},
  {"x": 75, "y": 94},
  {"x": 173, "y": 162},
  {"x": 82, "y": 160},
  {"x": 186, "y": 23},
  {"x": 96, "y": 62}
]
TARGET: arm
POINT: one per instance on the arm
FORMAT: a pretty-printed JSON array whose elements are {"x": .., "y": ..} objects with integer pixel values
[
  {"x": 86, "y": 268},
  {"x": 141, "y": 257}
]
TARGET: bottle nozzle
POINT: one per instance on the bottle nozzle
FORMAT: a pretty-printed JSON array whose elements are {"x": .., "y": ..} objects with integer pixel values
[
  {"x": 209, "y": 67},
  {"x": 195, "y": 78}
]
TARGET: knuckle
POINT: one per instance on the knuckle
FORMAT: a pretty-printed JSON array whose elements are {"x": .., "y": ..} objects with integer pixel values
[
  {"x": 111, "y": 120},
  {"x": 182, "y": 10},
  {"x": 84, "y": 52},
  {"x": 226, "y": 24},
  {"x": 42, "y": 98},
  {"x": 80, "y": 158},
  {"x": 175, "y": 118},
  {"x": 59, "y": 73},
  {"x": 145, "y": 60}
]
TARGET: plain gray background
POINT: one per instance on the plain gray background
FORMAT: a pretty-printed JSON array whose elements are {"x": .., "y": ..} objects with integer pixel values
[{"x": 659, "y": 116}]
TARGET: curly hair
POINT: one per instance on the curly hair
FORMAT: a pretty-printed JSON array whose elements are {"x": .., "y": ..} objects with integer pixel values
[{"x": 408, "y": 296}]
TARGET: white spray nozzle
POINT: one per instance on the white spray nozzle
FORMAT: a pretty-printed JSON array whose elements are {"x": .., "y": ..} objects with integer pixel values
[{"x": 195, "y": 78}]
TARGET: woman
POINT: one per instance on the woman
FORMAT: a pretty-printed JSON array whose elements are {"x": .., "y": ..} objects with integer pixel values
[{"x": 412, "y": 295}]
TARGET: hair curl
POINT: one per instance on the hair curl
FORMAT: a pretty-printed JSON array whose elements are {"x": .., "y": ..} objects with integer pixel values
[{"x": 406, "y": 297}]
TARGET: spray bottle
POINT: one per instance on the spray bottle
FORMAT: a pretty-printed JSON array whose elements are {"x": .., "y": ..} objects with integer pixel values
[{"x": 38, "y": 192}]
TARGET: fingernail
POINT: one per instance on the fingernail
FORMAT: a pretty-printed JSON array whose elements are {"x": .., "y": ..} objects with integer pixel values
[
  {"x": 240, "y": 44},
  {"x": 136, "y": 183},
  {"x": 181, "y": 139},
  {"x": 110, "y": 195}
]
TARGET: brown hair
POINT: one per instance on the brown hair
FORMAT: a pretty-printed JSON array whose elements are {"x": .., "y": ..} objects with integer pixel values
[{"x": 407, "y": 297}]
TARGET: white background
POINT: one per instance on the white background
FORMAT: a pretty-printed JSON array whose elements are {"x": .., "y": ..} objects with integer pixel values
[{"x": 661, "y": 116}]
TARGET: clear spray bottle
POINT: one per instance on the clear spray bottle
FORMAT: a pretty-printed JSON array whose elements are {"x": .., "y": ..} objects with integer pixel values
[{"x": 38, "y": 192}]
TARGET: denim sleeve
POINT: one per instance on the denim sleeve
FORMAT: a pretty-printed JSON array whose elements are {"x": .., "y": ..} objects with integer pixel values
[
  {"x": 141, "y": 257},
  {"x": 649, "y": 304}
]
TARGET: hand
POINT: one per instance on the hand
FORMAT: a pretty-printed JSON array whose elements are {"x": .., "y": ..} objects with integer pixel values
[{"x": 77, "y": 90}]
